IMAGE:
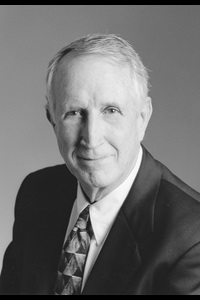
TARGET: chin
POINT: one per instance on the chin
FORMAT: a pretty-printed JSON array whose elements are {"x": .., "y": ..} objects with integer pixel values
[{"x": 95, "y": 180}]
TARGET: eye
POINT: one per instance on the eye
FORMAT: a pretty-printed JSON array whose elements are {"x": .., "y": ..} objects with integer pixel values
[
  {"x": 74, "y": 113},
  {"x": 111, "y": 110}
]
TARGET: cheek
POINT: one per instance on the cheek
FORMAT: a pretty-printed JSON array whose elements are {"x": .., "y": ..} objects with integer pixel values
[
  {"x": 126, "y": 141},
  {"x": 125, "y": 133},
  {"x": 66, "y": 139}
]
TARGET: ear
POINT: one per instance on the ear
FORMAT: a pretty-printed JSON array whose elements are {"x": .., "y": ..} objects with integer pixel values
[
  {"x": 144, "y": 116},
  {"x": 49, "y": 117}
]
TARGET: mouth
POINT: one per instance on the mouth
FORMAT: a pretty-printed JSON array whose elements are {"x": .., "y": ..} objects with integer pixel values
[{"x": 92, "y": 159}]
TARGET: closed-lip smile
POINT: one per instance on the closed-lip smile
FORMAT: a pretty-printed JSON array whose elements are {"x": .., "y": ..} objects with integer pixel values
[{"x": 92, "y": 158}]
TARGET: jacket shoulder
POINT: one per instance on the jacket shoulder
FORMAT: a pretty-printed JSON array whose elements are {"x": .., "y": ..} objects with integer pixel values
[
  {"x": 177, "y": 213},
  {"x": 169, "y": 179},
  {"x": 41, "y": 188},
  {"x": 47, "y": 178},
  {"x": 49, "y": 173},
  {"x": 176, "y": 198}
]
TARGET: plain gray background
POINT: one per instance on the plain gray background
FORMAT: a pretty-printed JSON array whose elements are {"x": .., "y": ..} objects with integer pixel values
[{"x": 167, "y": 37}]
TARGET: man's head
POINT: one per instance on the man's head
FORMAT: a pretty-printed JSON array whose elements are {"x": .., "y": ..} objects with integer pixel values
[{"x": 97, "y": 101}]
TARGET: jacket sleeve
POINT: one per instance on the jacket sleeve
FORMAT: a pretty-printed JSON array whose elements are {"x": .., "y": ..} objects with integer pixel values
[
  {"x": 8, "y": 279},
  {"x": 185, "y": 275},
  {"x": 10, "y": 274}
]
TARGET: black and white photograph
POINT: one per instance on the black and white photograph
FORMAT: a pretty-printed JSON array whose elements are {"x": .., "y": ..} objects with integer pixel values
[{"x": 100, "y": 150}]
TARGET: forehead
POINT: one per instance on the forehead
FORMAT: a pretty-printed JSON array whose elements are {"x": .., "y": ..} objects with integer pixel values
[
  {"x": 94, "y": 71},
  {"x": 93, "y": 80}
]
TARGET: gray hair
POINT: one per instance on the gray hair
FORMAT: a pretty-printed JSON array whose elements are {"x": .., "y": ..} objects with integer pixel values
[{"x": 110, "y": 46}]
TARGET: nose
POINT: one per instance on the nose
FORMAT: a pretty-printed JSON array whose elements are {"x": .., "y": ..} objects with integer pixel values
[{"x": 92, "y": 132}]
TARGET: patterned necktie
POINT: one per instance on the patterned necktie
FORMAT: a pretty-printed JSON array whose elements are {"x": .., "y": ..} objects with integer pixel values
[{"x": 73, "y": 258}]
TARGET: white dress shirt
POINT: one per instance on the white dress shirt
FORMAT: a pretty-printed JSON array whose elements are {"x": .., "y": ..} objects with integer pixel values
[{"x": 102, "y": 215}]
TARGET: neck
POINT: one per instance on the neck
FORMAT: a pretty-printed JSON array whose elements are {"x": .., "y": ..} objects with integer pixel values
[{"x": 93, "y": 194}]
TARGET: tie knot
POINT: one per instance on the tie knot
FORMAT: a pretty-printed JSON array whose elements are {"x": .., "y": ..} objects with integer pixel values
[{"x": 83, "y": 218}]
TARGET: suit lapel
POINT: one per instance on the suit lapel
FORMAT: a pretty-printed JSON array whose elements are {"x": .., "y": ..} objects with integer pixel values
[
  {"x": 121, "y": 256},
  {"x": 140, "y": 203}
]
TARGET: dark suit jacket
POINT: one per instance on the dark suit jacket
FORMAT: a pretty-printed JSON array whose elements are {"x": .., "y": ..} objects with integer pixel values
[{"x": 153, "y": 247}]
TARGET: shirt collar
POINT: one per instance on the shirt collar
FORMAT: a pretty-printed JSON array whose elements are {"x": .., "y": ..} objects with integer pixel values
[{"x": 104, "y": 211}]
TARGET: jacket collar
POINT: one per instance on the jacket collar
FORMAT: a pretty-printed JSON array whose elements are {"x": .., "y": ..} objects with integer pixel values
[{"x": 140, "y": 203}]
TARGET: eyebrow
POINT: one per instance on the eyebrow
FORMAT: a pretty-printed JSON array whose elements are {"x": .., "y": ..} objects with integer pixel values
[{"x": 73, "y": 102}]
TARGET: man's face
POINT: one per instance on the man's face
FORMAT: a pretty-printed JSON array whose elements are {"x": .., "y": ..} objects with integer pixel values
[{"x": 97, "y": 125}]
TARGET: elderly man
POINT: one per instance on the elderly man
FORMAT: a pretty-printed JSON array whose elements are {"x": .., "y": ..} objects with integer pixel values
[{"x": 112, "y": 219}]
